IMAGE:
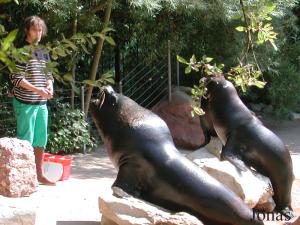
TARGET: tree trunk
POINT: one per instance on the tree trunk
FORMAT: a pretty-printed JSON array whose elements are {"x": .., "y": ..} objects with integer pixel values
[{"x": 97, "y": 57}]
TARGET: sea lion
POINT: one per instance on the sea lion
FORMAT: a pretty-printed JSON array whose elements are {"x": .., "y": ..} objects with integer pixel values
[
  {"x": 246, "y": 140},
  {"x": 140, "y": 146}
]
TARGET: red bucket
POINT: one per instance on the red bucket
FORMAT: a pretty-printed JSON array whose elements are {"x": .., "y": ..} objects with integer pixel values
[{"x": 65, "y": 160}]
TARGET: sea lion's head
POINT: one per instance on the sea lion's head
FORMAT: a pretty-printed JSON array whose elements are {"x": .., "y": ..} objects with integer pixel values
[
  {"x": 112, "y": 111},
  {"x": 218, "y": 87},
  {"x": 104, "y": 109},
  {"x": 107, "y": 97}
]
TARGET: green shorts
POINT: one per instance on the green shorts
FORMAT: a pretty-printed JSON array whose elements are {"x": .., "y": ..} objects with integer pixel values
[{"x": 32, "y": 123}]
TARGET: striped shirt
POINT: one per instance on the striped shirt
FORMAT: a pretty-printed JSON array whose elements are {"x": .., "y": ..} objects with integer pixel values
[{"x": 34, "y": 71}]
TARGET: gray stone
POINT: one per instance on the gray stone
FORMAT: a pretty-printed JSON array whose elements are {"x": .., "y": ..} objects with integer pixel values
[
  {"x": 16, "y": 216},
  {"x": 256, "y": 107},
  {"x": 294, "y": 116},
  {"x": 253, "y": 188},
  {"x": 268, "y": 109},
  {"x": 131, "y": 211},
  {"x": 17, "y": 168}
]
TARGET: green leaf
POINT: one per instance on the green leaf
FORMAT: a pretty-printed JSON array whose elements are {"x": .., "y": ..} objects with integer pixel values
[
  {"x": 193, "y": 59},
  {"x": 61, "y": 51},
  {"x": 260, "y": 84},
  {"x": 236, "y": 17},
  {"x": 4, "y": 1},
  {"x": 2, "y": 29},
  {"x": 93, "y": 40},
  {"x": 270, "y": 8},
  {"x": 70, "y": 44},
  {"x": 107, "y": 75},
  {"x": 90, "y": 82},
  {"x": 208, "y": 59},
  {"x": 221, "y": 66},
  {"x": 198, "y": 111},
  {"x": 100, "y": 35},
  {"x": 240, "y": 28},
  {"x": 110, "y": 40},
  {"x": 260, "y": 38},
  {"x": 84, "y": 49},
  {"x": 182, "y": 60},
  {"x": 68, "y": 77},
  {"x": 188, "y": 69},
  {"x": 96, "y": 34},
  {"x": 9, "y": 39},
  {"x": 110, "y": 81},
  {"x": 107, "y": 29},
  {"x": 268, "y": 18}
]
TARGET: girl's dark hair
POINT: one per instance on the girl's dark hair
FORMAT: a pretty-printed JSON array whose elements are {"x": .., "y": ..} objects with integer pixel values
[{"x": 36, "y": 21}]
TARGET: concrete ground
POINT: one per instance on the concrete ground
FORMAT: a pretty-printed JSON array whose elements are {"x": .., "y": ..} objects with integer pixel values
[{"x": 75, "y": 201}]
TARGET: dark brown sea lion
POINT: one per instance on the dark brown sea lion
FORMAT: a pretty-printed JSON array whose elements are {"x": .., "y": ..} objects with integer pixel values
[
  {"x": 149, "y": 166},
  {"x": 246, "y": 140}
]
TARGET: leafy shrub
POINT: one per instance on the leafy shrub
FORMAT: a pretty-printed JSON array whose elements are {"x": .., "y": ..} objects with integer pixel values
[
  {"x": 68, "y": 130},
  {"x": 7, "y": 116},
  {"x": 284, "y": 89}
]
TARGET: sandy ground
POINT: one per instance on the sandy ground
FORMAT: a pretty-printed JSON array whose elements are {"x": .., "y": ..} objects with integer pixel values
[{"x": 75, "y": 201}]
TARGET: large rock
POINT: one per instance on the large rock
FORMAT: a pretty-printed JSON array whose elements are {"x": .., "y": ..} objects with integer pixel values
[
  {"x": 185, "y": 129},
  {"x": 131, "y": 211},
  {"x": 16, "y": 216},
  {"x": 255, "y": 189},
  {"x": 17, "y": 168}
]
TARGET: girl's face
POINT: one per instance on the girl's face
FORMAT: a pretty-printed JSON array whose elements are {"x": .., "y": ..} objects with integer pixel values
[{"x": 34, "y": 33}]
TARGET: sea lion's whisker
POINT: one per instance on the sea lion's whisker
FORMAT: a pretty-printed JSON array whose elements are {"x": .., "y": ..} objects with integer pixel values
[{"x": 102, "y": 98}]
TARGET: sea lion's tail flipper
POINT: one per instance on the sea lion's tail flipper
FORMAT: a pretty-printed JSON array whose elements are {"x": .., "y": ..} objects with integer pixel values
[{"x": 288, "y": 213}]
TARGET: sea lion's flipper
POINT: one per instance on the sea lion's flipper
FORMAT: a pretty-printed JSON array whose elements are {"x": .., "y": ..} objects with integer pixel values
[
  {"x": 230, "y": 153},
  {"x": 126, "y": 182},
  {"x": 287, "y": 212}
]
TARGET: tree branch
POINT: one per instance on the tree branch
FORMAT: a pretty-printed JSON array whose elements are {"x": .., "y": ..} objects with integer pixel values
[{"x": 97, "y": 57}]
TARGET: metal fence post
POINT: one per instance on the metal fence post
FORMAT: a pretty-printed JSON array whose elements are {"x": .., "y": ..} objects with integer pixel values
[
  {"x": 177, "y": 73},
  {"x": 82, "y": 99},
  {"x": 120, "y": 87},
  {"x": 82, "y": 108},
  {"x": 169, "y": 70}
]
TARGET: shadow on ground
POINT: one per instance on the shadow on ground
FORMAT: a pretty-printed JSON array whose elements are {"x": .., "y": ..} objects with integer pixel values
[{"x": 93, "y": 165}]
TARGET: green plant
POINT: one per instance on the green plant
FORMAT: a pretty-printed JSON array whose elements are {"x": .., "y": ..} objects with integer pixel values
[
  {"x": 7, "y": 117},
  {"x": 242, "y": 76},
  {"x": 68, "y": 130},
  {"x": 284, "y": 84}
]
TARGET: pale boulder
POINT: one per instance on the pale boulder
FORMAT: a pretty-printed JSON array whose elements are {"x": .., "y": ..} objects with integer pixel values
[
  {"x": 10, "y": 215},
  {"x": 128, "y": 210},
  {"x": 17, "y": 168},
  {"x": 253, "y": 188}
]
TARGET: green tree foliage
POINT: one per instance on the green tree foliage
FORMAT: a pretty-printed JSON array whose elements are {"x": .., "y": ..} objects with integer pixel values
[
  {"x": 143, "y": 27},
  {"x": 63, "y": 51}
]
